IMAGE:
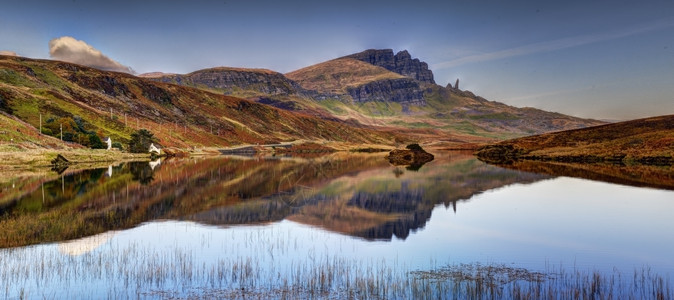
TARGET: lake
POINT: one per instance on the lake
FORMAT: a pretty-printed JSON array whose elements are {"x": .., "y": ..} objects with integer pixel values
[{"x": 336, "y": 226}]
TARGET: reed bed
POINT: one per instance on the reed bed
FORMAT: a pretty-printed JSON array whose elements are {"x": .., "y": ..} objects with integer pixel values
[{"x": 135, "y": 271}]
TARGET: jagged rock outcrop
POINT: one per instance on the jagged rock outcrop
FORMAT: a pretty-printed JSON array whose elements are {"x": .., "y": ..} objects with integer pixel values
[
  {"x": 402, "y": 90},
  {"x": 229, "y": 79},
  {"x": 401, "y": 63}
]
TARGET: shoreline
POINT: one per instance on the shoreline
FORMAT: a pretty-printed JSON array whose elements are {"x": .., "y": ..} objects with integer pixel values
[
  {"x": 508, "y": 154},
  {"x": 40, "y": 158}
]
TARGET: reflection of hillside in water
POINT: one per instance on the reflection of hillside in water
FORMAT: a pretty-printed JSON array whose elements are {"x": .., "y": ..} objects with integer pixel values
[
  {"x": 87, "y": 202},
  {"x": 660, "y": 177},
  {"x": 375, "y": 203},
  {"x": 355, "y": 194},
  {"x": 406, "y": 203}
]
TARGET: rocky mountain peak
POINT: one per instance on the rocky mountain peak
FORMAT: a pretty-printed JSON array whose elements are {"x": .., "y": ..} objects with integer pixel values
[{"x": 401, "y": 63}]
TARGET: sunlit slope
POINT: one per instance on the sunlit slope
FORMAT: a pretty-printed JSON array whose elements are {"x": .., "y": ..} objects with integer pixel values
[
  {"x": 86, "y": 101},
  {"x": 336, "y": 76},
  {"x": 446, "y": 108},
  {"x": 649, "y": 141},
  {"x": 363, "y": 91},
  {"x": 17, "y": 135}
]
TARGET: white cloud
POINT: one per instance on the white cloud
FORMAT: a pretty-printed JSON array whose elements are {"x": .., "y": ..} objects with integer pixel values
[
  {"x": 554, "y": 45},
  {"x": 76, "y": 51},
  {"x": 10, "y": 53}
]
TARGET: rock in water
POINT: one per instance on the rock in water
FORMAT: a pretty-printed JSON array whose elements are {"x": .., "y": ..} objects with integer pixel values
[{"x": 414, "y": 157}]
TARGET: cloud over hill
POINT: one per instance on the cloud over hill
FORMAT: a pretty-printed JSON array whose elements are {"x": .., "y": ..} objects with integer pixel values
[
  {"x": 10, "y": 53},
  {"x": 77, "y": 51}
]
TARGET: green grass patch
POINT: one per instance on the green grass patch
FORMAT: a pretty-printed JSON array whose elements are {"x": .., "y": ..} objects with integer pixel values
[
  {"x": 49, "y": 77},
  {"x": 501, "y": 116},
  {"x": 14, "y": 78},
  {"x": 379, "y": 108}
]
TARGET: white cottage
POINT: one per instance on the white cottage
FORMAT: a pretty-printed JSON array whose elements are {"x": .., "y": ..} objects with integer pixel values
[
  {"x": 154, "y": 148},
  {"x": 108, "y": 141}
]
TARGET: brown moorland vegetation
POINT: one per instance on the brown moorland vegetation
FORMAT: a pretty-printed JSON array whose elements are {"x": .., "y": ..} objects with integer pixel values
[
  {"x": 336, "y": 75},
  {"x": 648, "y": 141},
  {"x": 87, "y": 100}
]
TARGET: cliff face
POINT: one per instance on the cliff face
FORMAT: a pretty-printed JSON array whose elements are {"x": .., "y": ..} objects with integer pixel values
[
  {"x": 402, "y": 90},
  {"x": 262, "y": 81},
  {"x": 401, "y": 63}
]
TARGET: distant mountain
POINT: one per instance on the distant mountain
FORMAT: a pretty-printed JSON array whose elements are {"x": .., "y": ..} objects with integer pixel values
[
  {"x": 87, "y": 102},
  {"x": 401, "y": 63},
  {"x": 361, "y": 81},
  {"x": 229, "y": 80},
  {"x": 383, "y": 89},
  {"x": 647, "y": 141},
  {"x": 415, "y": 101}
]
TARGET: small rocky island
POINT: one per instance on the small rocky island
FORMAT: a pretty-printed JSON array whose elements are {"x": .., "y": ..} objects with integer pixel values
[{"x": 414, "y": 157}]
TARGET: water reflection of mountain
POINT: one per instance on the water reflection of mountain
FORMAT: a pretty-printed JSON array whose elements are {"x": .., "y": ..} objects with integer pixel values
[
  {"x": 92, "y": 201},
  {"x": 406, "y": 202},
  {"x": 376, "y": 203},
  {"x": 354, "y": 194},
  {"x": 403, "y": 204}
]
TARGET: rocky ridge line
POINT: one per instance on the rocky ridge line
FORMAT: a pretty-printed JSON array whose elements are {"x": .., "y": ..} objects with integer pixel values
[{"x": 401, "y": 63}]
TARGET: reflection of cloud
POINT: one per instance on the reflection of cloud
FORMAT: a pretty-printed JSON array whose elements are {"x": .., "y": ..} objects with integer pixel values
[
  {"x": 554, "y": 45},
  {"x": 10, "y": 53},
  {"x": 75, "y": 51},
  {"x": 85, "y": 245}
]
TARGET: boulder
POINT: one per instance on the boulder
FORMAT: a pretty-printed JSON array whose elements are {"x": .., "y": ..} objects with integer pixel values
[{"x": 414, "y": 157}]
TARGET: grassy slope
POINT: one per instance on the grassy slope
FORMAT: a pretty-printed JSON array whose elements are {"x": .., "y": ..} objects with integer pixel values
[
  {"x": 336, "y": 75},
  {"x": 453, "y": 115},
  {"x": 639, "y": 140},
  {"x": 23, "y": 147},
  {"x": 447, "y": 110},
  {"x": 179, "y": 116}
]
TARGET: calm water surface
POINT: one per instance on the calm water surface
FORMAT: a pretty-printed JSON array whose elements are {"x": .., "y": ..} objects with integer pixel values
[{"x": 180, "y": 228}]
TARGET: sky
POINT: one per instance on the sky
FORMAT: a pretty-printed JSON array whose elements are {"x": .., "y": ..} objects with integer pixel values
[{"x": 611, "y": 60}]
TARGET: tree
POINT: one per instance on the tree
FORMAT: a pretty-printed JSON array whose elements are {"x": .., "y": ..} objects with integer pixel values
[
  {"x": 141, "y": 140},
  {"x": 95, "y": 142}
]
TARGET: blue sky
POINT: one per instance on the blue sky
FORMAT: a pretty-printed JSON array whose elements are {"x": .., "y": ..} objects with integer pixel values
[{"x": 599, "y": 59}]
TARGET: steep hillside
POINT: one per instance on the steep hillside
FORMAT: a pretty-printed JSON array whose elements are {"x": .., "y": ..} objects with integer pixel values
[
  {"x": 401, "y": 63},
  {"x": 362, "y": 82},
  {"x": 89, "y": 103},
  {"x": 415, "y": 101},
  {"x": 233, "y": 81},
  {"x": 645, "y": 141},
  {"x": 337, "y": 75},
  {"x": 16, "y": 135},
  {"x": 258, "y": 85},
  {"x": 378, "y": 88}
]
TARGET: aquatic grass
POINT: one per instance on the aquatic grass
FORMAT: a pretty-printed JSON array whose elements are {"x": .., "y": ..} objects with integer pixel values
[{"x": 138, "y": 271}]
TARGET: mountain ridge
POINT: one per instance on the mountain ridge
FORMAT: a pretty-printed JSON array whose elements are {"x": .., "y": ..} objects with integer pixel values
[
  {"x": 378, "y": 88},
  {"x": 355, "y": 98},
  {"x": 87, "y": 102},
  {"x": 401, "y": 63}
]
